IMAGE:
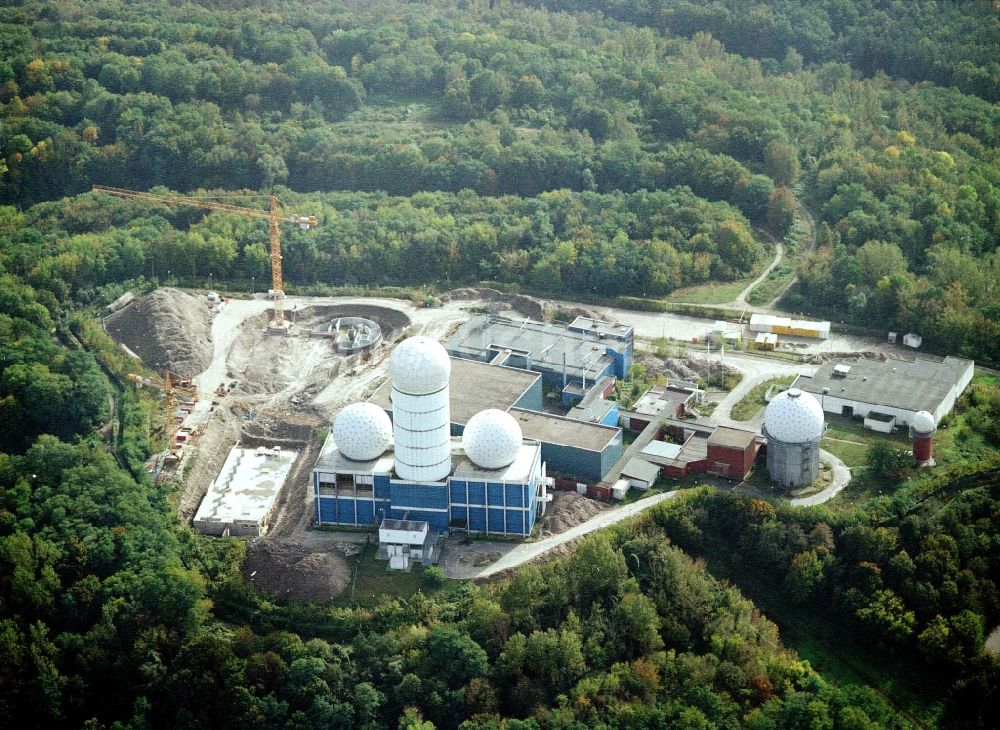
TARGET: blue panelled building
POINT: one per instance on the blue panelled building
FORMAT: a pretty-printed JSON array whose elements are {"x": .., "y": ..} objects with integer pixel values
[{"x": 505, "y": 450}]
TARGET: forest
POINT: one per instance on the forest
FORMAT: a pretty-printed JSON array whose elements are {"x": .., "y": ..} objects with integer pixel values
[
  {"x": 501, "y": 109},
  {"x": 588, "y": 149}
]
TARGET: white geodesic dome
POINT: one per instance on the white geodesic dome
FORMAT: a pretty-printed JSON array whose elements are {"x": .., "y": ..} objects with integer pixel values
[
  {"x": 362, "y": 431},
  {"x": 419, "y": 365},
  {"x": 794, "y": 417},
  {"x": 492, "y": 439},
  {"x": 922, "y": 422}
]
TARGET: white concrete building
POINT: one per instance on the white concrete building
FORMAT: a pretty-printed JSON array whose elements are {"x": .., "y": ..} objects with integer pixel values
[
  {"x": 889, "y": 394},
  {"x": 242, "y": 498}
]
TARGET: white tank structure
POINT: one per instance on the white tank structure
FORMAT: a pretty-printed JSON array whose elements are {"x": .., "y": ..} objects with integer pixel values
[
  {"x": 492, "y": 439},
  {"x": 793, "y": 425},
  {"x": 419, "y": 369},
  {"x": 362, "y": 431},
  {"x": 922, "y": 430}
]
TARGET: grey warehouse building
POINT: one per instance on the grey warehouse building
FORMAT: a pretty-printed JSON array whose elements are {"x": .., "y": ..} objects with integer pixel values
[{"x": 888, "y": 394}]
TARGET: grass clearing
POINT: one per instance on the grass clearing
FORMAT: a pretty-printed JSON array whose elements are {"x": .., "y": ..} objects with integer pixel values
[
  {"x": 750, "y": 404},
  {"x": 709, "y": 292},
  {"x": 374, "y": 579},
  {"x": 851, "y": 453},
  {"x": 773, "y": 285}
]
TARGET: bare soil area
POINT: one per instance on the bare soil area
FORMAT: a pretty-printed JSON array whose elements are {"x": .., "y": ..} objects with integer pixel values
[
  {"x": 222, "y": 431},
  {"x": 288, "y": 570},
  {"x": 168, "y": 329},
  {"x": 568, "y": 509}
]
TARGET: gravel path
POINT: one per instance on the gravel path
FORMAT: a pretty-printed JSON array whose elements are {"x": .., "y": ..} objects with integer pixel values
[{"x": 779, "y": 253}]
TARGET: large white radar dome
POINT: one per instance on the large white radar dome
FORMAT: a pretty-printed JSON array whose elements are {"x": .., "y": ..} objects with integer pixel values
[
  {"x": 419, "y": 365},
  {"x": 794, "y": 417},
  {"x": 492, "y": 439},
  {"x": 362, "y": 431},
  {"x": 922, "y": 422}
]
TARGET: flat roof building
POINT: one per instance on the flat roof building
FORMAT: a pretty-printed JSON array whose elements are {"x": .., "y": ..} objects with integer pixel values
[
  {"x": 241, "y": 499},
  {"x": 475, "y": 386},
  {"x": 577, "y": 448},
  {"x": 788, "y": 326},
  {"x": 889, "y": 392},
  {"x": 583, "y": 351}
]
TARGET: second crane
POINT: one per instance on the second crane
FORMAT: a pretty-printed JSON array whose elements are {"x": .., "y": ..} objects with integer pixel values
[{"x": 279, "y": 323}]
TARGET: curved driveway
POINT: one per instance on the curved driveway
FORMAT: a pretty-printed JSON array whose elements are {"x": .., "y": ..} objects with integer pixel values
[{"x": 514, "y": 554}]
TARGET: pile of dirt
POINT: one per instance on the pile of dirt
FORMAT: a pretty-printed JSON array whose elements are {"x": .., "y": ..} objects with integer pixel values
[
  {"x": 168, "y": 329},
  {"x": 528, "y": 306},
  {"x": 821, "y": 357},
  {"x": 694, "y": 368},
  {"x": 568, "y": 509},
  {"x": 286, "y": 570}
]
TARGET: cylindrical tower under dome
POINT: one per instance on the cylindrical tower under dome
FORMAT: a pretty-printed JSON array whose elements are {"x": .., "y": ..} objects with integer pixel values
[
  {"x": 793, "y": 425},
  {"x": 922, "y": 430},
  {"x": 419, "y": 369}
]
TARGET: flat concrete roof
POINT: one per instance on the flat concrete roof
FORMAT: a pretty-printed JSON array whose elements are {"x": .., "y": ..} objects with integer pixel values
[
  {"x": 694, "y": 449},
  {"x": 585, "y": 353},
  {"x": 602, "y": 327},
  {"x": 404, "y": 525},
  {"x": 591, "y": 412},
  {"x": 246, "y": 487},
  {"x": 474, "y": 386},
  {"x": 658, "y": 399},
  {"x": 735, "y": 438},
  {"x": 332, "y": 461},
  {"x": 517, "y": 471},
  {"x": 566, "y": 431},
  {"x": 919, "y": 385},
  {"x": 640, "y": 469},
  {"x": 662, "y": 449}
]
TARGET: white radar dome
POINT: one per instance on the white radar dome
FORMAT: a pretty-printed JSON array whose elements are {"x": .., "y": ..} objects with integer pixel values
[
  {"x": 923, "y": 422},
  {"x": 362, "y": 431},
  {"x": 419, "y": 365},
  {"x": 492, "y": 439},
  {"x": 794, "y": 417}
]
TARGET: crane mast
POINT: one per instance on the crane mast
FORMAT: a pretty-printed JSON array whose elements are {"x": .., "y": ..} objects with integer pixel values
[{"x": 279, "y": 324}]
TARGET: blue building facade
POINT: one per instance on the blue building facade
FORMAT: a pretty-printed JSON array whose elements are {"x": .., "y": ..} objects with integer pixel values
[{"x": 496, "y": 502}]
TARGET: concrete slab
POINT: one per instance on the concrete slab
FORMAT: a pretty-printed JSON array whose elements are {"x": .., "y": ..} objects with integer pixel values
[{"x": 243, "y": 495}]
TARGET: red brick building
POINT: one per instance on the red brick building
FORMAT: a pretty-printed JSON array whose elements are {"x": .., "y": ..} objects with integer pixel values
[{"x": 731, "y": 452}]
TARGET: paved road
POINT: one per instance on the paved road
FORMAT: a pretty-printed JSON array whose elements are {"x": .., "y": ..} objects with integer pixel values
[
  {"x": 514, "y": 555},
  {"x": 841, "y": 478}
]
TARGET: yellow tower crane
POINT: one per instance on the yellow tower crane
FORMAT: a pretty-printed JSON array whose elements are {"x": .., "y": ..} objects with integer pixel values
[{"x": 304, "y": 222}]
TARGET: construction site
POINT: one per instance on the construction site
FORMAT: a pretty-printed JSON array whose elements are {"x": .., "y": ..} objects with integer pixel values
[{"x": 252, "y": 385}]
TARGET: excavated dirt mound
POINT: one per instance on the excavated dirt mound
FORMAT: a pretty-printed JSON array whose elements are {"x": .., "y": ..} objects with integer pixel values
[
  {"x": 168, "y": 329},
  {"x": 528, "y": 306},
  {"x": 568, "y": 509},
  {"x": 299, "y": 365},
  {"x": 392, "y": 321},
  {"x": 286, "y": 570}
]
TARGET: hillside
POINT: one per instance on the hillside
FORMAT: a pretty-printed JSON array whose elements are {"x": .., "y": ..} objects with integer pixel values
[{"x": 583, "y": 150}]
